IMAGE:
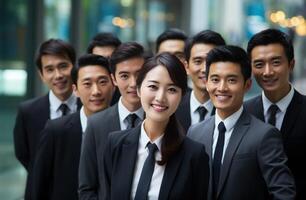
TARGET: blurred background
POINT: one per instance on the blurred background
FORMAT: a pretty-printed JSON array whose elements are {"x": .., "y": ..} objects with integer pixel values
[{"x": 26, "y": 23}]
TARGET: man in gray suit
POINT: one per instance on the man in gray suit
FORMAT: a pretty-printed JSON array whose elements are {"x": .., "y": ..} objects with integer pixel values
[
  {"x": 126, "y": 61},
  {"x": 247, "y": 155}
]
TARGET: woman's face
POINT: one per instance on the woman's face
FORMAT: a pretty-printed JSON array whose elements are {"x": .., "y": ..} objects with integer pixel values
[{"x": 158, "y": 95}]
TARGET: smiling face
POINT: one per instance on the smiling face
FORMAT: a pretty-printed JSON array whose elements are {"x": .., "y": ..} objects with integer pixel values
[
  {"x": 271, "y": 70},
  {"x": 94, "y": 88},
  {"x": 226, "y": 87},
  {"x": 125, "y": 79},
  {"x": 56, "y": 74},
  {"x": 159, "y": 96}
]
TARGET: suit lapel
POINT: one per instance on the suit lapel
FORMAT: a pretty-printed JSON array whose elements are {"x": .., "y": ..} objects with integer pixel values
[
  {"x": 258, "y": 110},
  {"x": 127, "y": 162},
  {"x": 291, "y": 114},
  {"x": 114, "y": 116},
  {"x": 172, "y": 168},
  {"x": 240, "y": 129}
]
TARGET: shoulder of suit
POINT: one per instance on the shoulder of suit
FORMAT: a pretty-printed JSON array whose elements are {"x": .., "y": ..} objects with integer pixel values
[
  {"x": 61, "y": 122},
  {"x": 34, "y": 101},
  {"x": 251, "y": 100},
  {"x": 104, "y": 114}
]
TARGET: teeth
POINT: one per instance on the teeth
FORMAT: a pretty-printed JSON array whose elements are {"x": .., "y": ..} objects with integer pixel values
[{"x": 222, "y": 97}]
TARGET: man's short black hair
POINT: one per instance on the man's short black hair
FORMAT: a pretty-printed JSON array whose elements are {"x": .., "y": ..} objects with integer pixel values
[
  {"x": 55, "y": 47},
  {"x": 103, "y": 39},
  {"x": 203, "y": 37},
  {"x": 272, "y": 36},
  {"x": 87, "y": 60},
  {"x": 170, "y": 34},
  {"x": 229, "y": 53},
  {"x": 124, "y": 52}
]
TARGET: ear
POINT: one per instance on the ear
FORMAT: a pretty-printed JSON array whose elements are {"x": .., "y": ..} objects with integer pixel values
[
  {"x": 114, "y": 80},
  {"x": 138, "y": 92},
  {"x": 186, "y": 67},
  {"x": 41, "y": 76},
  {"x": 291, "y": 64},
  {"x": 247, "y": 85},
  {"x": 75, "y": 90}
]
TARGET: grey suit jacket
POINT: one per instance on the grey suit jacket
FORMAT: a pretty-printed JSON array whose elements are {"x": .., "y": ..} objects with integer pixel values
[
  {"x": 254, "y": 165},
  {"x": 99, "y": 126}
]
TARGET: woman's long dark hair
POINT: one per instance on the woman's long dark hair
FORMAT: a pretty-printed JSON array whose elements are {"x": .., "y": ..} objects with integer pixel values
[{"x": 174, "y": 133}]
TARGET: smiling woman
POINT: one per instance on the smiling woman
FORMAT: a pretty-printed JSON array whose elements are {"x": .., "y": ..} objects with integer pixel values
[{"x": 162, "y": 163}]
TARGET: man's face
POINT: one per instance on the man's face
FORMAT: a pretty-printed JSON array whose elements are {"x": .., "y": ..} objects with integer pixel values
[
  {"x": 175, "y": 47},
  {"x": 105, "y": 51},
  {"x": 271, "y": 69},
  {"x": 94, "y": 88},
  {"x": 196, "y": 65},
  {"x": 56, "y": 74},
  {"x": 226, "y": 87},
  {"x": 125, "y": 79}
]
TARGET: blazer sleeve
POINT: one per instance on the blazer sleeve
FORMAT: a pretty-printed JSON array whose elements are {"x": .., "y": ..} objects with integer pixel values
[
  {"x": 20, "y": 139},
  {"x": 42, "y": 176},
  {"x": 88, "y": 172},
  {"x": 272, "y": 161},
  {"x": 200, "y": 173}
]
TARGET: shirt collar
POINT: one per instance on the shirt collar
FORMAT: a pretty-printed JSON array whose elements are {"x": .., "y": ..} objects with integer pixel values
[
  {"x": 83, "y": 119},
  {"x": 124, "y": 112},
  {"x": 281, "y": 104},
  {"x": 144, "y": 139},
  {"x": 194, "y": 104},
  {"x": 230, "y": 121},
  {"x": 55, "y": 102}
]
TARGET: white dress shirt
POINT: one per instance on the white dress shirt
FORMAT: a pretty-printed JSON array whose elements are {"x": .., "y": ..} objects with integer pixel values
[
  {"x": 83, "y": 119},
  {"x": 229, "y": 124},
  {"x": 282, "y": 105},
  {"x": 142, "y": 155},
  {"x": 55, "y": 103},
  {"x": 124, "y": 112},
  {"x": 194, "y": 104}
]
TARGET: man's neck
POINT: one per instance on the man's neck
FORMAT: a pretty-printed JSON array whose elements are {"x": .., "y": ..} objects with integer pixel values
[{"x": 201, "y": 95}]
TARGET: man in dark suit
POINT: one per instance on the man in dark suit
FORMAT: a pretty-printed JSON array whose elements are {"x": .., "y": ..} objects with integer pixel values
[
  {"x": 126, "y": 61},
  {"x": 196, "y": 105},
  {"x": 54, "y": 61},
  {"x": 58, "y": 154},
  {"x": 247, "y": 156},
  {"x": 272, "y": 57}
]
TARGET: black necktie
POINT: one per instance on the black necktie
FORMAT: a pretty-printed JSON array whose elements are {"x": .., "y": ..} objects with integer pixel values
[
  {"x": 218, "y": 156},
  {"x": 272, "y": 111},
  {"x": 131, "y": 120},
  {"x": 146, "y": 174},
  {"x": 64, "y": 109},
  {"x": 202, "y": 111}
]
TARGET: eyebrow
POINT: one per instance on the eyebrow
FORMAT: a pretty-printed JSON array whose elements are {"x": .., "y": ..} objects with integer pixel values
[
  {"x": 171, "y": 84},
  {"x": 99, "y": 77}
]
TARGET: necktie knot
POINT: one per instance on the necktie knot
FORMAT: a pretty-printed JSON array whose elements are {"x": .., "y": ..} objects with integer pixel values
[
  {"x": 131, "y": 120},
  {"x": 273, "y": 109},
  {"x": 64, "y": 109},
  {"x": 221, "y": 128},
  {"x": 152, "y": 148},
  {"x": 202, "y": 111}
]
